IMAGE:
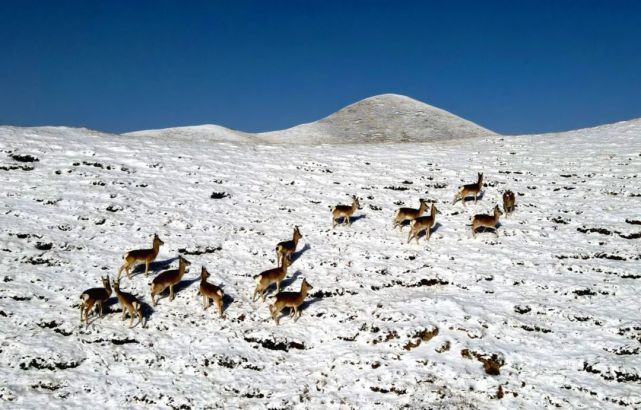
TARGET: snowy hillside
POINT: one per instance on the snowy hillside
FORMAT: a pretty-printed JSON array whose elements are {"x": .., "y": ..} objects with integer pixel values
[
  {"x": 383, "y": 118},
  {"x": 545, "y": 315}
]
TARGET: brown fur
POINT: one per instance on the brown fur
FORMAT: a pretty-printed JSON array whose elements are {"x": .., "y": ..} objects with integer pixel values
[
  {"x": 404, "y": 214},
  {"x": 345, "y": 212},
  {"x": 168, "y": 278},
  {"x": 287, "y": 248},
  {"x": 291, "y": 300},
  {"x": 423, "y": 223},
  {"x": 140, "y": 255},
  {"x": 129, "y": 304},
  {"x": 210, "y": 292},
  {"x": 268, "y": 277},
  {"x": 469, "y": 189},
  {"x": 94, "y": 296},
  {"x": 508, "y": 202},
  {"x": 486, "y": 221}
]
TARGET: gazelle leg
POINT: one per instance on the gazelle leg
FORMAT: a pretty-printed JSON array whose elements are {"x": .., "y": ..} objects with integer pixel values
[
  {"x": 171, "y": 292},
  {"x": 146, "y": 267},
  {"x": 219, "y": 306}
]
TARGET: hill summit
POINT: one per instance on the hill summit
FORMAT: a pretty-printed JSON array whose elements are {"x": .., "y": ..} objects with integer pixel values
[{"x": 378, "y": 119}]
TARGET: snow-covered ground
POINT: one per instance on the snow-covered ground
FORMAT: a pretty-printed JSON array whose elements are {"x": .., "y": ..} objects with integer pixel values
[{"x": 550, "y": 307}]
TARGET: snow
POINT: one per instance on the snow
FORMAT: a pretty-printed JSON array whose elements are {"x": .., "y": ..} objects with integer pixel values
[
  {"x": 554, "y": 297},
  {"x": 379, "y": 119}
]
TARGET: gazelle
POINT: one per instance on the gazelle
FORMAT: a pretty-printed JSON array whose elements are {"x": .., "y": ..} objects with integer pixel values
[
  {"x": 210, "y": 291},
  {"x": 423, "y": 223},
  {"x": 287, "y": 248},
  {"x": 291, "y": 300},
  {"x": 140, "y": 255},
  {"x": 168, "y": 278},
  {"x": 486, "y": 221},
  {"x": 404, "y": 214},
  {"x": 508, "y": 202},
  {"x": 345, "y": 212},
  {"x": 128, "y": 304},
  {"x": 94, "y": 296},
  {"x": 268, "y": 277},
  {"x": 469, "y": 189}
]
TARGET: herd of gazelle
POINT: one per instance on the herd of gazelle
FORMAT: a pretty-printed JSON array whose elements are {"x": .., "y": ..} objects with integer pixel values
[{"x": 284, "y": 251}]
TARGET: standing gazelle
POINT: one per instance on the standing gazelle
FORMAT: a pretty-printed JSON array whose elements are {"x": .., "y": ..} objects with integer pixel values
[
  {"x": 168, "y": 278},
  {"x": 469, "y": 189},
  {"x": 345, "y": 212},
  {"x": 268, "y": 277},
  {"x": 94, "y": 296},
  {"x": 404, "y": 214},
  {"x": 210, "y": 292},
  {"x": 285, "y": 249},
  {"x": 423, "y": 223},
  {"x": 128, "y": 304},
  {"x": 508, "y": 202},
  {"x": 140, "y": 255},
  {"x": 486, "y": 221},
  {"x": 291, "y": 300}
]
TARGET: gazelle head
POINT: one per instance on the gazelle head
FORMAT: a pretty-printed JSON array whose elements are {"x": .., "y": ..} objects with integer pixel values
[
  {"x": 106, "y": 282},
  {"x": 116, "y": 285},
  {"x": 497, "y": 211},
  {"x": 480, "y": 181},
  {"x": 435, "y": 210},
  {"x": 355, "y": 202},
  {"x": 297, "y": 233},
  {"x": 182, "y": 261},
  {"x": 157, "y": 240},
  {"x": 306, "y": 285},
  {"x": 204, "y": 274}
]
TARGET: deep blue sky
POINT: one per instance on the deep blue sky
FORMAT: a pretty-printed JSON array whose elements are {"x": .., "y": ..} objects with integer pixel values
[{"x": 512, "y": 66}]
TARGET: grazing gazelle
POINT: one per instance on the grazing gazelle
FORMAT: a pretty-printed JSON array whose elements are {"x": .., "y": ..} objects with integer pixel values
[
  {"x": 94, "y": 296},
  {"x": 404, "y": 214},
  {"x": 486, "y": 221},
  {"x": 469, "y": 189},
  {"x": 508, "y": 202},
  {"x": 423, "y": 223},
  {"x": 168, "y": 278},
  {"x": 210, "y": 291},
  {"x": 345, "y": 212},
  {"x": 287, "y": 248},
  {"x": 268, "y": 277},
  {"x": 291, "y": 300},
  {"x": 140, "y": 255},
  {"x": 129, "y": 304}
]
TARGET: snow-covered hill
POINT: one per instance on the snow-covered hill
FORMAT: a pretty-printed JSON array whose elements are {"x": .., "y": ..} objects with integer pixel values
[
  {"x": 544, "y": 315},
  {"x": 379, "y": 119}
]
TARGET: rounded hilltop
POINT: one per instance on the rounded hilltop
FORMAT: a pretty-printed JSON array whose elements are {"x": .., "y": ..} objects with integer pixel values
[
  {"x": 382, "y": 118},
  {"x": 379, "y": 119}
]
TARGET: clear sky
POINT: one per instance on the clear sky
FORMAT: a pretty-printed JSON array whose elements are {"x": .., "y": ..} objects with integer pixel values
[{"x": 511, "y": 66}]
